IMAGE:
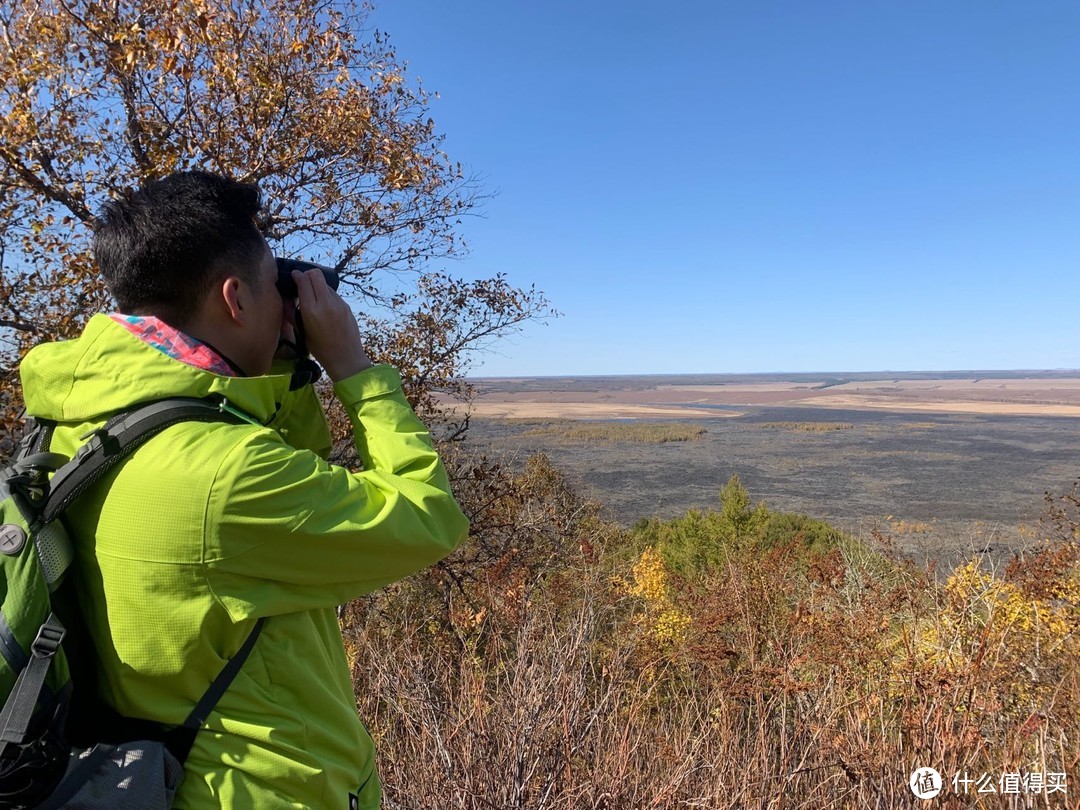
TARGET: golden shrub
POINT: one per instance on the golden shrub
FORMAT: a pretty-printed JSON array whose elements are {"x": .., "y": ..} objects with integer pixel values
[{"x": 667, "y": 624}]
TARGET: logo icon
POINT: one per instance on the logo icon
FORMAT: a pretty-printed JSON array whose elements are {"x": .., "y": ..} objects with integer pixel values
[{"x": 925, "y": 783}]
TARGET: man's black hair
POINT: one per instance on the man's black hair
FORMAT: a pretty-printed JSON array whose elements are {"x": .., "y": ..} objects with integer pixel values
[{"x": 161, "y": 248}]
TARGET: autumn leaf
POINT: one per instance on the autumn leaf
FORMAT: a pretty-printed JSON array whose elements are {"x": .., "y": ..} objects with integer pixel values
[{"x": 297, "y": 95}]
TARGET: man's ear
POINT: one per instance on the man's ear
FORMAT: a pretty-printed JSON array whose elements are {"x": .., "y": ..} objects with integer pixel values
[{"x": 234, "y": 299}]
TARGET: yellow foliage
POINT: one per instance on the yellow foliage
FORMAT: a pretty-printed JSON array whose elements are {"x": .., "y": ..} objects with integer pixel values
[
  {"x": 978, "y": 597},
  {"x": 650, "y": 577},
  {"x": 671, "y": 626},
  {"x": 991, "y": 626},
  {"x": 667, "y": 623},
  {"x": 300, "y": 96}
]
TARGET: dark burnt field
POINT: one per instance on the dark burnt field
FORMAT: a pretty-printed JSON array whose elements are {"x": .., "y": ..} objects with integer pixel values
[{"x": 941, "y": 486}]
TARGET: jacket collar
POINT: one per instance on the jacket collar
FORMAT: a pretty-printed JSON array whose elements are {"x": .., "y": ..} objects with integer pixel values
[{"x": 108, "y": 369}]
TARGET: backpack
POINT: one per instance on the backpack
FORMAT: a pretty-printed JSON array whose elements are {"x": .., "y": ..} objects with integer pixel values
[{"x": 116, "y": 761}]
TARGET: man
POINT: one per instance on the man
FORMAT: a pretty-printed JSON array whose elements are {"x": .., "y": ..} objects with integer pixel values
[{"x": 210, "y": 526}]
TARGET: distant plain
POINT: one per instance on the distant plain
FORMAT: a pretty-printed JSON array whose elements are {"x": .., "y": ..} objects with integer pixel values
[{"x": 944, "y": 465}]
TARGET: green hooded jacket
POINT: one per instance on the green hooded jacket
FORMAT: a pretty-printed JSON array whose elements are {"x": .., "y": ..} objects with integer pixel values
[{"x": 210, "y": 526}]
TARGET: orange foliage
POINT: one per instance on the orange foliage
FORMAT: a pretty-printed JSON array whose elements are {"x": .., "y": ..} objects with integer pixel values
[{"x": 296, "y": 95}]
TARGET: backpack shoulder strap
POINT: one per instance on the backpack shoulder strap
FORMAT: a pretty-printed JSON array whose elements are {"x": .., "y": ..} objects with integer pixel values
[
  {"x": 121, "y": 436},
  {"x": 180, "y": 739},
  {"x": 19, "y": 708}
]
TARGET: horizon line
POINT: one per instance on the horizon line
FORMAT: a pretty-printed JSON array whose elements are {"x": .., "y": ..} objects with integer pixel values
[{"x": 894, "y": 372}]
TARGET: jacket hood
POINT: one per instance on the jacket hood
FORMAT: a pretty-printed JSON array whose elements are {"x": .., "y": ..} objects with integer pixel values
[{"x": 107, "y": 369}]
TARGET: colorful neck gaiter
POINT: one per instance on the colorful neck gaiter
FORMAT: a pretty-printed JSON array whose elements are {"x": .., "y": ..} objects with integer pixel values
[{"x": 155, "y": 332}]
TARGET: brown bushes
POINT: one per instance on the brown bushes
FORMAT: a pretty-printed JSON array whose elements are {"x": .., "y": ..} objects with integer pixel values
[{"x": 579, "y": 669}]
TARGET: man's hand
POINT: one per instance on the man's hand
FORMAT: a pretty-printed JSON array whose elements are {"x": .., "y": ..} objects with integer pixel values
[{"x": 333, "y": 336}]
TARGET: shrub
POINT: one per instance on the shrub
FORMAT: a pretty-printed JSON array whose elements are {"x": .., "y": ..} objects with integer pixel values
[{"x": 727, "y": 659}]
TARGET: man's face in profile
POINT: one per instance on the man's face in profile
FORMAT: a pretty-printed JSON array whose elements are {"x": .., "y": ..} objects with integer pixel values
[{"x": 272, "y": 316}]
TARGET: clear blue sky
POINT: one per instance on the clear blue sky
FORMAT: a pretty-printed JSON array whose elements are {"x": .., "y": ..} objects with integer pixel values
[{"x": 767, "y": 186}]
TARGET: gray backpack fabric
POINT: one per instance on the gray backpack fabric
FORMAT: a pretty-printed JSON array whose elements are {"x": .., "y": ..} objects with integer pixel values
[{"x": 141, "y": 774}]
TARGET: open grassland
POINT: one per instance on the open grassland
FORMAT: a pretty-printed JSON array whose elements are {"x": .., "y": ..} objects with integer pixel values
[
  {"x": 527, "y": 409},
  {"x": 976, "y": 481},
  {"x": 728, "y": 658}
]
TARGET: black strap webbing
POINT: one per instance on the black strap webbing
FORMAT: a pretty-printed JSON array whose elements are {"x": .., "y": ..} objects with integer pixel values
[
  {"x": 180, "y": 739},
  {"x": 120, "y": 437},
  {"x": 19, "y": 708}
]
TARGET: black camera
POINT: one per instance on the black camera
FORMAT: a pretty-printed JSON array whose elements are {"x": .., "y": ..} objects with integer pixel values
[{"x": 285, "y": 284}]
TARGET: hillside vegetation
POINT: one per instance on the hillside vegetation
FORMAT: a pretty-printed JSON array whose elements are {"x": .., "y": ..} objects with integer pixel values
[{"x": 732, "y": 658}]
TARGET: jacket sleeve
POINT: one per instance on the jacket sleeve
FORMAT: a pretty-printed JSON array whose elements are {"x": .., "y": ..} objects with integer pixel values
[
  {"x": 299, "y": 418},
  {"x": 286, "y": 531}
]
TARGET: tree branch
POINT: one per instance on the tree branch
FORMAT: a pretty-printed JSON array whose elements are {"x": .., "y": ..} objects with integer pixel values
[
  {"x": 55, "y": 194},
  {"x": 21, "y": 326}
]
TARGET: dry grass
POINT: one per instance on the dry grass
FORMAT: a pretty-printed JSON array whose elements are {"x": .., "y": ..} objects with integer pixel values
[
  {"x": 536, "y": 421},
  {"x": 899, "y": 526},
  {"x": 612, "y": 432},
  {"x": 808, "y": 427},
  {"x": 772, "y": 677}
]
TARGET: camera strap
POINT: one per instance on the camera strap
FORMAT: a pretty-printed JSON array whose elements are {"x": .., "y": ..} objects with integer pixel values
[{"x": 306, "y": 371}]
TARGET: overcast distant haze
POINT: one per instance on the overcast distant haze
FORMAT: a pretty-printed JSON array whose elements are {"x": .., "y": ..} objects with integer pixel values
[{"x": 751, "y": 187}]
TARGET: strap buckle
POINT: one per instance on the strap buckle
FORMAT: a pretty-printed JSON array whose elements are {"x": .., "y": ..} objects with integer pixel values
[
  {"x": 48, "y": 639},
  {"x": 99, "y": 437}
]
